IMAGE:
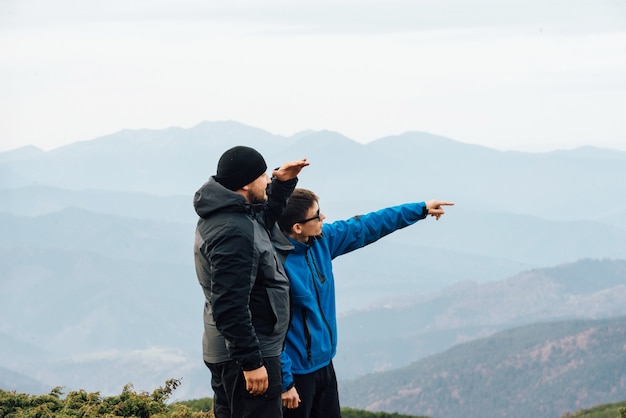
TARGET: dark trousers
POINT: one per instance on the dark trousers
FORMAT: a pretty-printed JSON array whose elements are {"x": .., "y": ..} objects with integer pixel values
[
  {"x": 318, "y": 395},
  {"x": 232, "y": 400}
]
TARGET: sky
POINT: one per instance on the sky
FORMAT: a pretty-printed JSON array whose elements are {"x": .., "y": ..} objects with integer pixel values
[{"x": 525, "y": 75}]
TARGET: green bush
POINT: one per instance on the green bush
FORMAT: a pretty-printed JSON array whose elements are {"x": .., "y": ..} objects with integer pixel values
[
  {"x": 198, "y": 405},
  {"x": 80, "y": 404}
]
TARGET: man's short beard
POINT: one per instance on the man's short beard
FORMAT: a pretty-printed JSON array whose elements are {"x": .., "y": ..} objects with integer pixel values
[{"x": 255, "y": 199}]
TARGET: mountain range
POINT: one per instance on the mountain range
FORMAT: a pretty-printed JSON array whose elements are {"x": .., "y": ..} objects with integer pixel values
[{"x": 96, "y": 249}]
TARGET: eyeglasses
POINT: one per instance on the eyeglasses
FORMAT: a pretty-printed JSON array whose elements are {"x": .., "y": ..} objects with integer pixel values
[{"x": 317, "y": 216}]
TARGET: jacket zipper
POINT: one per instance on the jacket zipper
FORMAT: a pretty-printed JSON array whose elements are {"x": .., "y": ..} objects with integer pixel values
[
  {"x": 307, "y": 334},
  {"x": 315, "y": 272}
]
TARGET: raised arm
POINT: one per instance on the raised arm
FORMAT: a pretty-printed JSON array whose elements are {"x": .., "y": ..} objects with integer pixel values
[{"x": 284, "y": 180}]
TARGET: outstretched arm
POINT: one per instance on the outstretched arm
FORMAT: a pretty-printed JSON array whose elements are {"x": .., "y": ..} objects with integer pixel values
[{"x": 284, "y": 180}]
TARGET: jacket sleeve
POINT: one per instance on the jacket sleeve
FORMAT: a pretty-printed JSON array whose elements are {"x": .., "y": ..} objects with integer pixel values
[
  {"x": 234, "y": 266},
  {"x": 285, "y": 361},
  {"x": 277, "y": 195},
  {"x": 362, "y": 230}
]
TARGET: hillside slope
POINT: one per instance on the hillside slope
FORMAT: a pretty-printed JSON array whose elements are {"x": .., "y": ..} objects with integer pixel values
[
  {"x": 540, "y": 371},
  {"x": 405, "y": 330}
]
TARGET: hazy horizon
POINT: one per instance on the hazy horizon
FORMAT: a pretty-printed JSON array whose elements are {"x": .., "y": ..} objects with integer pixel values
[{"x": 510, "y": 75}]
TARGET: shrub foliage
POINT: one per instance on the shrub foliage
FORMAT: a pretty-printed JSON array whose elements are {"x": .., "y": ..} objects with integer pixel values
[{"x": 89, "y": 405}]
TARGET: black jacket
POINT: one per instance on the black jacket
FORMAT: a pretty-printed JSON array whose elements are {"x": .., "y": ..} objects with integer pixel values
[{"x": 246, "y": 313}]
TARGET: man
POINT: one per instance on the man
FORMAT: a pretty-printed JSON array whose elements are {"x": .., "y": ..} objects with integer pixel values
[
  {"x": 246, "y": 310},
  {"x": 309, "y": 381}
]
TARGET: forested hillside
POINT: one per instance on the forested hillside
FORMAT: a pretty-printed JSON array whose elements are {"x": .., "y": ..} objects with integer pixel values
[
  {"x": 407, "y": 329},
  {"x": 540, "y": 371}
]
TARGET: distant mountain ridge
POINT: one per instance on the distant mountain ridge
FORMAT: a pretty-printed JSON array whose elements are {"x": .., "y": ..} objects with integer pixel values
[
  {"x": 175, "y": 161},
  {"x": 10, "y": 380},
  {"x": 32, "y": 201}
]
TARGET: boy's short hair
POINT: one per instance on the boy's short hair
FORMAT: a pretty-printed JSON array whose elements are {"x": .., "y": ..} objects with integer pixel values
[{"x": 299, "y": 203}]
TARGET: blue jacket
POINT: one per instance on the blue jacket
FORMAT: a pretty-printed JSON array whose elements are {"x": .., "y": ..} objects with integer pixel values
[{"x": 311, "y": 341}]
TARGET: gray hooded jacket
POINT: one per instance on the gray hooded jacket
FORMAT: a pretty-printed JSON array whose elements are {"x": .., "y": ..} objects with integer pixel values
[{"x": 246, "y": 310}]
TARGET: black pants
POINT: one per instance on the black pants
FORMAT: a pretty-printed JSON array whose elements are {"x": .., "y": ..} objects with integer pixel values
[
  {"x": 318, "y": 395},
  {"x": 232, "y": 400}
]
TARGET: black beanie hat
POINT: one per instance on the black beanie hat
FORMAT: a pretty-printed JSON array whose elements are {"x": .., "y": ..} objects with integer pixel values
[{"x": 239, "y": 166}]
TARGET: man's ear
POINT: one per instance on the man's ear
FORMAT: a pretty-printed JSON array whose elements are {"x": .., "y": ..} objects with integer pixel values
[{"x": 296, "y": 229}]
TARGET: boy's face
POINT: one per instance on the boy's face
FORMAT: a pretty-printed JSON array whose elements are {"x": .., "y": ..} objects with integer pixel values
[{"x": 311, "y": 225}]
